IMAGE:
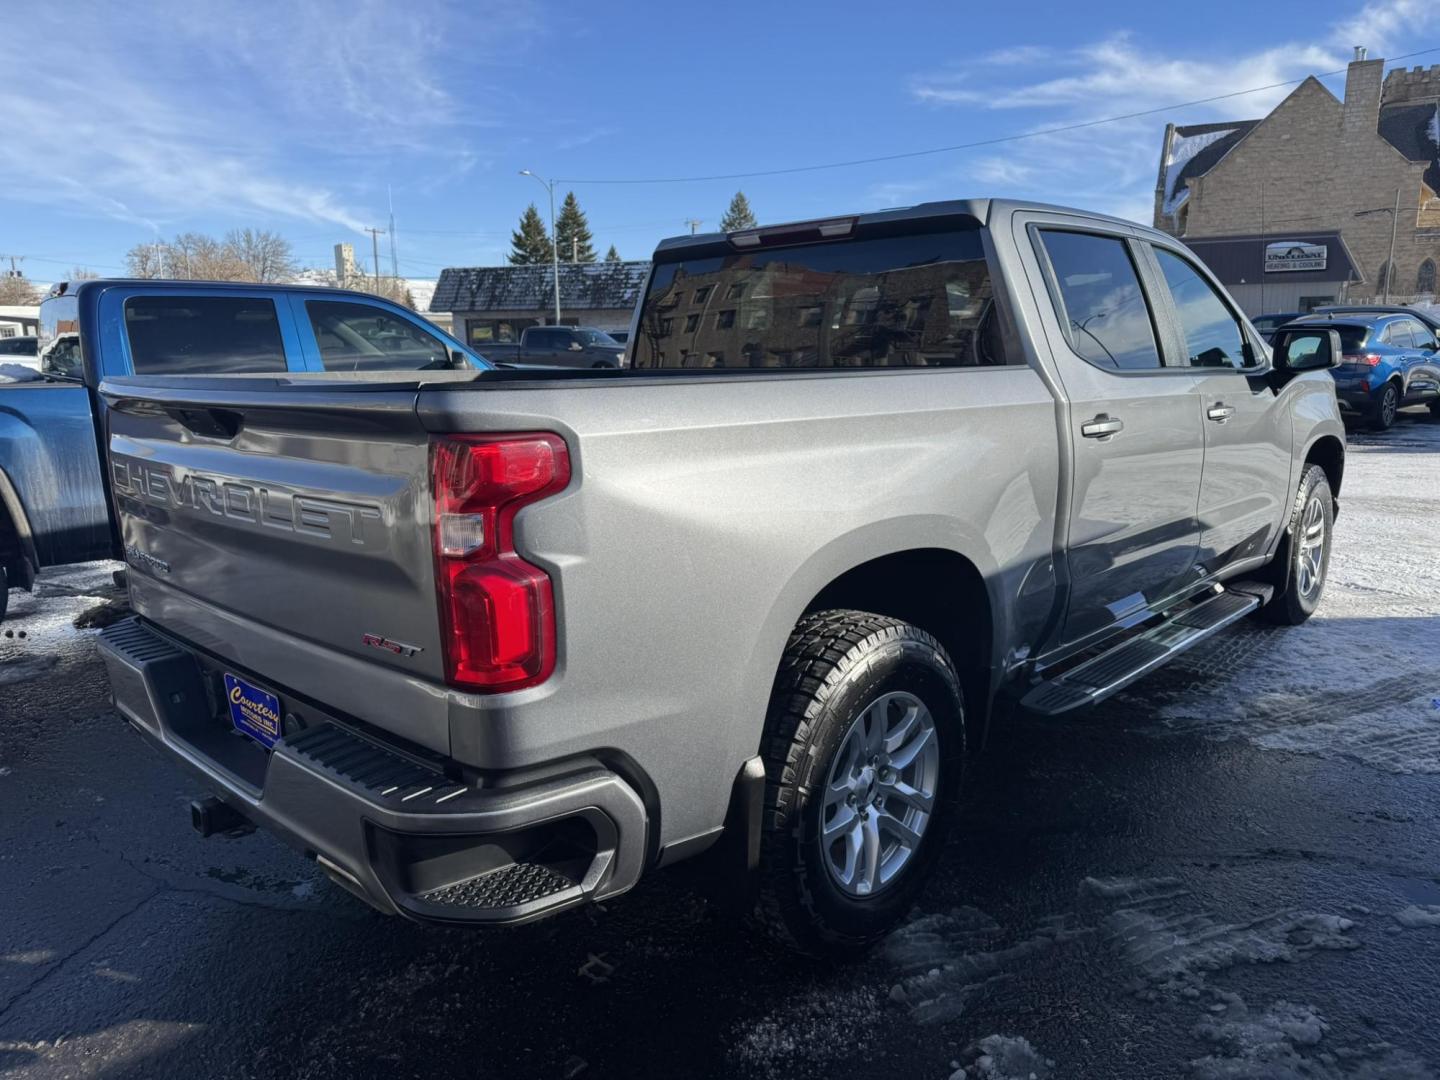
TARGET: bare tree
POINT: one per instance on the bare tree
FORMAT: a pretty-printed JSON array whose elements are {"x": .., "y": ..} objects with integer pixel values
[
  {"x": 82, "y": 273},
  {"x": 146, "y": 260},
  {"x": 17, "y": 291},
  {"x": 243, "y": 255},
  {"x": 388, "y": 288},
  {"x": 265, "y": 256}
]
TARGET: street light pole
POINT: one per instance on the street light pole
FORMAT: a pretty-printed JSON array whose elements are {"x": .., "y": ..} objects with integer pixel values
[{"x": 554, "y": 240}]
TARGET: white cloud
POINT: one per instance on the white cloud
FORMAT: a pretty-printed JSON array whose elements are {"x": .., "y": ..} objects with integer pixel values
[
  {"x": 1112, "y": 166},
  {"x": 263, "y": 112}
]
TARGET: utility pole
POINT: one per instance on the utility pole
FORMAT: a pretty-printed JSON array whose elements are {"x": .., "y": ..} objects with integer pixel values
[
  {"x": 394, "y": 262},
  {"x": 694, "y": 224},
  {"x": 1394, "y": 225},
  {"x": 375, "y": 235},
  {"x": 1390, "y": 263},
  {"x": 549, "y": 186}
]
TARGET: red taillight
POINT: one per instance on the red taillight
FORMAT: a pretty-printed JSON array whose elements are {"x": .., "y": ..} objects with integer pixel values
[
  {"x": 1373, "y": 359},
  {"x": 497, "y": 611}
]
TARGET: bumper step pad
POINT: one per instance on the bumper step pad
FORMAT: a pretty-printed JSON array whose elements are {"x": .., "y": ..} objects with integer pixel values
[
  {"x": 508, "y": 887},
  {"x": 1116, "y": 668}
]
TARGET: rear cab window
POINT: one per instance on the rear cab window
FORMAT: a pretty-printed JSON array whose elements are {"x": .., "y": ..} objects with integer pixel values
[
  {"x": 1102, "y": 306},
  {"x": 186, "y": 335},
  {"x": 919, "y": 300}
]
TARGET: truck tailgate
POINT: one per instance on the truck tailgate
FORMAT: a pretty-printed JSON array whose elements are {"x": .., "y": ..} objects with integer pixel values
[{"x": 299, "y": 508}]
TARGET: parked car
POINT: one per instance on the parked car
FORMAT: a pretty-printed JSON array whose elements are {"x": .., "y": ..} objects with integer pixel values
[
  {"x": 20, "y": 348},
  {"x": 1268, "y": 324},
  {"x": 1429, "y": 315},
  {"x": 559, "y": 346},
  {"x": 1389, "y": 362},
  {"x": 54, "y": 505},
  {"x": 499, "y": 643}
]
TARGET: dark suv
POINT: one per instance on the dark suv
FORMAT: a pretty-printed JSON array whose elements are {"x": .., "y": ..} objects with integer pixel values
[{"x": 1390, "y": 361}]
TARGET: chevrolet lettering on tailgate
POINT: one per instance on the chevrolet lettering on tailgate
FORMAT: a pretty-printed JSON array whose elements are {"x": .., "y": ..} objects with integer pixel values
[{"x": 335, "y": 520}]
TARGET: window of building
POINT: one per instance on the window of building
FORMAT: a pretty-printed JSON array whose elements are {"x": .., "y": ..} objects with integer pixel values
[
  {"x": 1425, "y": 280},
  {"x": 1101, "y": 305},
  {"x": 1213, "y": 337},
  {"x": 185, "y": 335},
  {"x": 692, "y": 323},
  {"x": 702, "y": 294},
  {"x": 910, "y": 300},
  {"x": 361, "y": 337}
]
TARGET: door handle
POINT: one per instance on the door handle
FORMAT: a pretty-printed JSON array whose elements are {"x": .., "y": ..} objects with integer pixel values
[
  {"x": 1220, "y": 413},
  {"x": 1102, "y": 427}
]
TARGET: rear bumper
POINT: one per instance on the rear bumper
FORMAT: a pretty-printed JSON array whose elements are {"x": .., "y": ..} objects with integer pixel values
[{"x": 404, "y": 832}]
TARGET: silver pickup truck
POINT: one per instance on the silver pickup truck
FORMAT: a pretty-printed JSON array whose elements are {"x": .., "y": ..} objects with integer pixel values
[{"x": 490, "y": 645}]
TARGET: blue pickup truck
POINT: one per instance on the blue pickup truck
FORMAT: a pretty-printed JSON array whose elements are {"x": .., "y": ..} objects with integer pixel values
[{"x": 55, "y": 506}]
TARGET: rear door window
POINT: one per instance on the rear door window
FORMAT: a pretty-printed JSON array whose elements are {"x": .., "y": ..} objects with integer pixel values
[
  {"x": 188, "y": 335},
  {"x": 1213, "y": 337},
  {"x": 1398, "y": 335},
  {"x": 360, "y": 337},
  {"x": 1103, "y": 308},
  {"x": 917, "y": 300}
]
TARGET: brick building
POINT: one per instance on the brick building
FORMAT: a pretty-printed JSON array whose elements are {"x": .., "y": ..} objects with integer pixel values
[{"x": 1316, "y": 167}]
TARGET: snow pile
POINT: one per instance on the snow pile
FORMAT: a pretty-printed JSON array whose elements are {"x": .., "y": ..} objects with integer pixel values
[
  {"x": 1284, "y": 1043},
  {"x": 1003, "y": 1057},
  {"x": 1415, "y": 916},
  {"x": 1182, "y": 151}
]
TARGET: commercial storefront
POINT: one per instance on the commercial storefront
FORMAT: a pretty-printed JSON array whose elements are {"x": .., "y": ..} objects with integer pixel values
[{"x": 1282, "y": 273}]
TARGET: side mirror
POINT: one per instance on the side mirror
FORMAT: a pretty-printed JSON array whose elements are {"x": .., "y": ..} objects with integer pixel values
[
  {"x": 458, "y": 359},
  {"x": 1306, "y": 349}
]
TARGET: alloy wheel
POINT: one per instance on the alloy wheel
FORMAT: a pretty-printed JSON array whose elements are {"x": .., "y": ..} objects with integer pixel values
[{"x": 880, "y": 794}]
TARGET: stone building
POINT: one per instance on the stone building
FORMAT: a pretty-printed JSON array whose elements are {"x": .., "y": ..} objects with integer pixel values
[
  {"x": 1318, "y": 166},
  {"x": 496, "y": 303}
]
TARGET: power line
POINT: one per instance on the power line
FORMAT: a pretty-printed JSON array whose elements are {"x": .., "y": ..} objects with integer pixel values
[{"x": 996, "y": 141}]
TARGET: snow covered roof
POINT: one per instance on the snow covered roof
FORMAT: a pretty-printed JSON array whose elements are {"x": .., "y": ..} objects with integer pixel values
[
  {"x": 597, "y": 286},
  {"x": 1195, "y": 150}
]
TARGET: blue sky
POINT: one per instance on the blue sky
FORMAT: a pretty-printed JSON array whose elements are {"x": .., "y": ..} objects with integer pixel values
[{"x": 129, "y": 121}]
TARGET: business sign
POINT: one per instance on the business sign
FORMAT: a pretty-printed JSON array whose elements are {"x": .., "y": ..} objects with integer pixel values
[{"x": 1286, "y": 255}]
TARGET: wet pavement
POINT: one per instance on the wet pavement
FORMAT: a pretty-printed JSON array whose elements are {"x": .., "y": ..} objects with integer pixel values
[{"x": 1232, "y": 870}]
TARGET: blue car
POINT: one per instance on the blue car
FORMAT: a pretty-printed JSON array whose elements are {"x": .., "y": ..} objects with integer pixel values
[{"x": 1390, "y": 361}]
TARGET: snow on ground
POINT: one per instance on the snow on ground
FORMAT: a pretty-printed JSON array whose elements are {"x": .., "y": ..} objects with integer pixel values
[{"x": 1360, "y": 680}]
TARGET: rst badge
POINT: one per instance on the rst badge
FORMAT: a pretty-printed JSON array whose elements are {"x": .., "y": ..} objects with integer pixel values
[{"x": 399, "y": 648}]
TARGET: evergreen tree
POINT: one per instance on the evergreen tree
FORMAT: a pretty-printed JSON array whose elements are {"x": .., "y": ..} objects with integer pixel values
[
  {"x": 530, "y": 243},
  {"x": 739, "y": 216},
  {"x": 572, "y": 233},
  {"x": 612, "y": 255}
]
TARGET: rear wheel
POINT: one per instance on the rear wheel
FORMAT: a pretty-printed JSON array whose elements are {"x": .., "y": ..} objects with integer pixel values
[
  {"x": 863, "y": 753},
  {"x": 1303, "y": 561},
  {"x": 1387, "y": 408},
  {"x": 1435, "y": 408}
]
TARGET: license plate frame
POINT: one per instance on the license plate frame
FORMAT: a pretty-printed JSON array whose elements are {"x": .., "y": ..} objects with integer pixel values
[{"x": 254, "y": 711}]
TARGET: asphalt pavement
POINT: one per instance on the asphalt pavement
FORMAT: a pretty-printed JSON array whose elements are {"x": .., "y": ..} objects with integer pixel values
[{"x": 1231, "y": 870}]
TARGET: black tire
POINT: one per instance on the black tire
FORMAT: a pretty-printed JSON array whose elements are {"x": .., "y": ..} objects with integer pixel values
[
  {"x": 836, "y": 664},
  {"x": 1291, "y": 606},
  {"x": 1435, "y": 408},
  {"x": 1387, "y": 408},
  {"x": 4, "y": 592}
]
